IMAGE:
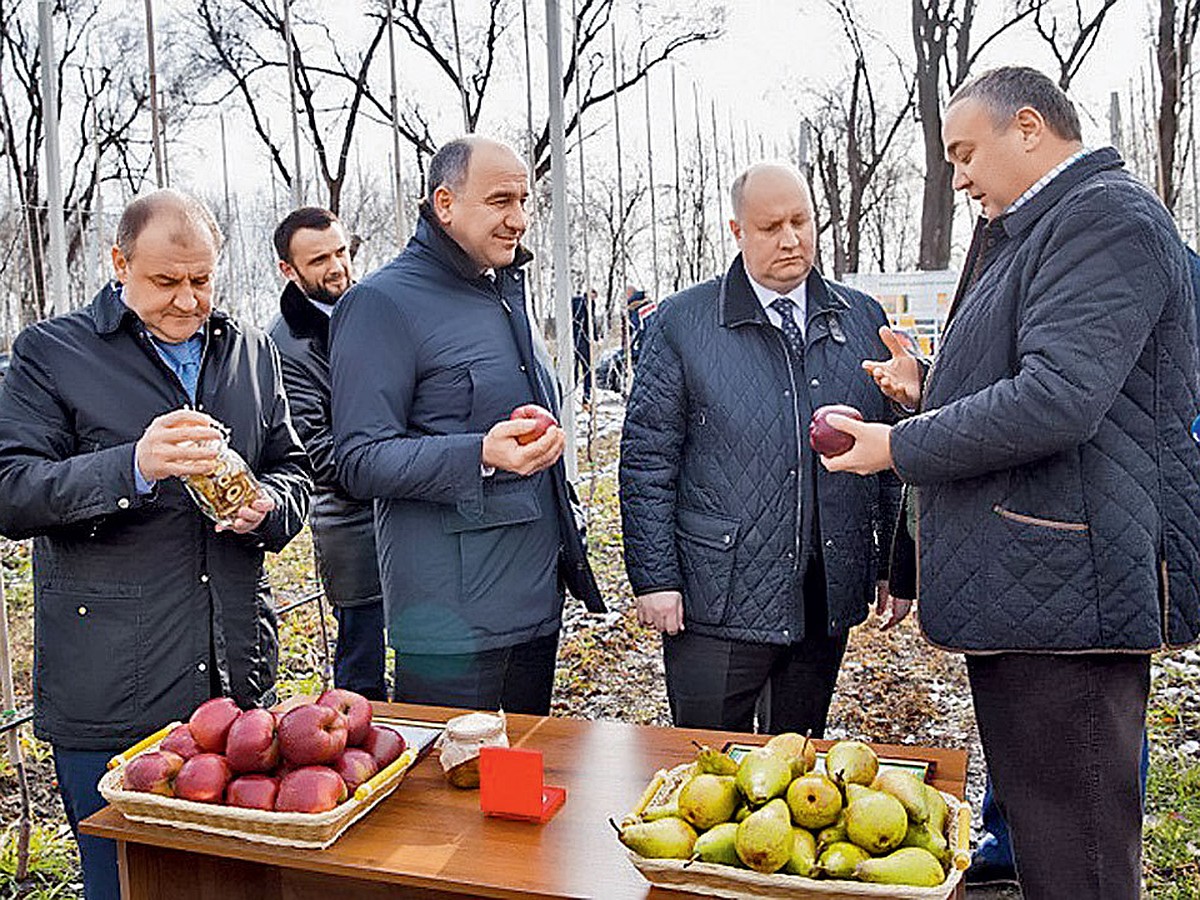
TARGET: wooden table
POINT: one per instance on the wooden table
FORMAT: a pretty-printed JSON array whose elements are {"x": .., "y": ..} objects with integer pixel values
[{"x": 431, "y": 841}]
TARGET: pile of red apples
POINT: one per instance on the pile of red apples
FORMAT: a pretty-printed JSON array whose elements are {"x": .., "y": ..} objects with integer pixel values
[{"x": 307, "y": 754}]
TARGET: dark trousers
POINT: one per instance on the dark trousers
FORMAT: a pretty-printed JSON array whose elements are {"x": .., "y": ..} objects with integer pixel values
[
  {"x": 358, "y": 660},
  {"x": 583, "y": 368},
  {"x": 1062, "y": 737},
  {"x": 517, "y": 679},
  {"x": 78, "y": 772}
]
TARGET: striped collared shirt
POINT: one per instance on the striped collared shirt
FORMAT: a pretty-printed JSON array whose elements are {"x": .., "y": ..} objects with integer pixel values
[{"x": 1046, "y": 179}]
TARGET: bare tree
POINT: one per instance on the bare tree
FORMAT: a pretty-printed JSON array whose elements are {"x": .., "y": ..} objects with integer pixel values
[
  {"x": 1177, "y": 23},
  {"x": 1078, "y": 37}
]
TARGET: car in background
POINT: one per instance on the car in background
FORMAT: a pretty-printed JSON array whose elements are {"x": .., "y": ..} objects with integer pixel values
[{"x": 610, "y": 370}]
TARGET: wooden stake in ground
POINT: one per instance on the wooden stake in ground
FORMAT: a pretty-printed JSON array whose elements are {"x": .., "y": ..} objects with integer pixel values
[{"x": 14, "y": 745}]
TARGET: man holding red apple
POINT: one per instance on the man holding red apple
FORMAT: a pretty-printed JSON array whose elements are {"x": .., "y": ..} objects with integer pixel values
[
  {"x": 752, "y": 560},
  {"x": 1057, "y": 489},
  {"x": 430, "y": 356}
]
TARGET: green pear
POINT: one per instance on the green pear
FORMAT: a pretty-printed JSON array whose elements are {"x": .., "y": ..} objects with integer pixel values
[
  {"x": 717, "y": 845},
  {"x": 833, "y": 833},
  {"x": 927, "y": 839},
  {"x": 852, "y": 761},
  {"x": 799, "y": 750},
  {"x": 840, "y": 858},
  {"x": 909, "y": 865},
  {"x": 857, "y": 791},
  {"x": 908, "y": 789},
  {"x": 714, "y": 762},
  {"x": 667, "y": 838},
  {"x": 877, "y": 823},
  {"x": 803, "y": 859},
  {"x": 939, "y": 810},
  {"x": 764, "y": 839},
  {"x": 814, "y": 800},
  {"x": 707, "y": 800},
  {"x": 742, "y": 812},
  {"x": 763, "y": 775},
  {"x": 661, "y": 811}
]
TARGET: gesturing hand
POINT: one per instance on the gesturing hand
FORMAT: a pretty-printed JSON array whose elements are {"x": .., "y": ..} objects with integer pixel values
[
  {"x": 662, "y": 611},
  {"x": 899, "y": 378}
]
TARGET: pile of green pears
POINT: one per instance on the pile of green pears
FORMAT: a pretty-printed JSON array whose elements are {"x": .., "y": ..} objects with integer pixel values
[{"x": 774, "y": 813}]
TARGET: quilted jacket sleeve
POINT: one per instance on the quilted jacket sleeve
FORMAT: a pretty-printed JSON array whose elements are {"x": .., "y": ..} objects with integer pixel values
[
  {"x": 1099, "y": 288},
  {"x": 373, "y": 367},
  {"x": 651, "y": 449}
]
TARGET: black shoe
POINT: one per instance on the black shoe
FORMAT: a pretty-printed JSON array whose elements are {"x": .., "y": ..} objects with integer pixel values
[{"x": 984, "y": 872}]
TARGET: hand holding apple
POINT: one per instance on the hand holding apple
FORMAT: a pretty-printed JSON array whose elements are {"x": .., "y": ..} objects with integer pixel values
[
  {"x": 872, "y": 450},
  {"x": 539, "y": 415},
  {"x": 502, "y": 448},
  {"x": 827, "y": 439}
]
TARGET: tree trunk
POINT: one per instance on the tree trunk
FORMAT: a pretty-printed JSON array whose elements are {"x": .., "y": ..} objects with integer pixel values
[
  {"x": 937, "y": 203},
  {"x": 1167, "y": 56}
]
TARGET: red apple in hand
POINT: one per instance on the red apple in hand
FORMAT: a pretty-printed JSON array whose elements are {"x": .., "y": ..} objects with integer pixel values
[
  {"x": 210, "y": 723},
  {"x": 252, "y": 792},
  {"x": 311, "y": 789},
  {"x": 203, "y": 778},
  {"x": 541, "y": 418},
  {"x": 385, "y": 744},
  {"x": 826, "y": 439},
  {"x": 153, "y": 772},
  {"x": 312, "y": 735},
  {"x": 252, "y": 745},
  {"x": 181, "y": 742},
  {"x": 355, "y": 707},
  {"x": 355, "y": 766}
]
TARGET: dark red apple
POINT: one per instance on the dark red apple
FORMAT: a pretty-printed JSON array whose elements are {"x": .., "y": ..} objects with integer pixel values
[
  {"x": 311, "y": 789},
  {"x": 210, "y": 723},
  {"x": 252, "y": 792},
  {"x": 355, "y": 766},
  {"x": 203, "y": 778},
  {"x": 252, "y": 744},
  {"x": 824, "y": 438},
  {"x": 355, "y": 707},
  {"x": 281, "y": 709},
  {"x": 542, "y": 419},
  {"x": 385, "y": 744},
  {"x": 153, "y": 772},
  {"x": 312, "y": 735},
  {"x": 180, "y": 741}
]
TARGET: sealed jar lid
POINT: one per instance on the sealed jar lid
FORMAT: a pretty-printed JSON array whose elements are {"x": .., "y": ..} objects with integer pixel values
[{"x": 476, "y": 727}]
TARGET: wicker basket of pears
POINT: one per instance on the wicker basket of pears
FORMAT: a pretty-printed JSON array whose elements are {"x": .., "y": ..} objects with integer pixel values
[{"x": 774, "y": 825}]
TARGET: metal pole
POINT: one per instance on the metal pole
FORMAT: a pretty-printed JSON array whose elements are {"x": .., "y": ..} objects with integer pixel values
[
  {"x": 721, "y": 226},
  {"x": 8, "y": 697},
  {"x": 679, "y": 247},
  {"x": 619, "y": 219},
  {"x": 653, "y": 201},
  {"x": 398, "y": 172},
  {"x": 558, "y": 194},
  {"x": 297, "y": 179},
  {"x": 56, "y": 262},
  {"x": 583, "y": 214},
  {"x": 537, "y": 298},
  {"x": 103, "y": 253},
  {"x": 462, "y": 85},
  {"x": 154, "y": 125}
]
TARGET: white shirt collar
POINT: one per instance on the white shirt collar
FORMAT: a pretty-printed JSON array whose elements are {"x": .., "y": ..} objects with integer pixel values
[
  {"x": 326, "y": 308},
  {"x": 798, "y": 295}
]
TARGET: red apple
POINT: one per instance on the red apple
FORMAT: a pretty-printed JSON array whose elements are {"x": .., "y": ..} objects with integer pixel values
[
  {"x": 180, "y": 741},
  {"x": 355, "y": 707},
  {"x": 252, "y": 745},
  {"x": 824, "y": 438},
  {"x": 153, "y": 772},
  {"x": 284, "y": 707},
  {"x": 385, "y": 744},
  {"x": 355, "y": 766},
  {"x": 311, "y": 789},
  {"x": 312, "y": 735},
  {"x": 542, "y": 419},
  {"x": 210, "y": 723},
  {"x": 252, "y": 792},
  {"x": 203, "y": 778}
]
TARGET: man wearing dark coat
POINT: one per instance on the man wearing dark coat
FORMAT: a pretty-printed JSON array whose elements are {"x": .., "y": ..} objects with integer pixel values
[
  {"x": 143, "y": 608},
  {"x": 1056, "y": 487},
  {"x": 753, "y": 561},
  {"x": 314, "y": 256},
  {"x": 477, "y": 537}
]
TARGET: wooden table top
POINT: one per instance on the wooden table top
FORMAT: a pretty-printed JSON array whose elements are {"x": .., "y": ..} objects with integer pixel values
[{"x": 430, "y": 835}]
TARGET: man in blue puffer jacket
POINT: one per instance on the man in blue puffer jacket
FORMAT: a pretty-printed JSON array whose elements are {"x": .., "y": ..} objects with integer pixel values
[{"x": 1057, "y": 487}]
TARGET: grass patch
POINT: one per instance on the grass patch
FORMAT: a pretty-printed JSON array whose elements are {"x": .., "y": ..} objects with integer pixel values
[{"x": 53, "y": 864}]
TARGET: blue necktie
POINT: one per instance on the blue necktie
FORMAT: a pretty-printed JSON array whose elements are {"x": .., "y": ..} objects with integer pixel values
[
  {"x": 189, "y": 374},
  {"x": 791, "y": 330}
]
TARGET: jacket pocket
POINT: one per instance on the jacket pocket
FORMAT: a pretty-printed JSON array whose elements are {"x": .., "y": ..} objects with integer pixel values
[
  {"x": 1024, "y": 519},
  {"x": 506, "y": 508},
  {"x": 706, "y": 555},
  {"x": 89, "y": 648}
]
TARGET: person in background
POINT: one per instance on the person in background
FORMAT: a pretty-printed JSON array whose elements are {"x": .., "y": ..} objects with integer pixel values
[
  {"x": 581, "y": 332},
  {"x": 313, "y": 250},
  {"x": 143, "y": 608}
]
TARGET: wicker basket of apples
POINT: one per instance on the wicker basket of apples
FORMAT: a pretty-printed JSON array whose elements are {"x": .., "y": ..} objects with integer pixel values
[
  {"x": 298, "y": 774},
  {"x": 781, "y": 824}
]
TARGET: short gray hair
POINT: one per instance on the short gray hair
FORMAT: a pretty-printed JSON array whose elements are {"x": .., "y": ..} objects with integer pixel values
[
  {"x": 1007, "y": 90},
  {"x": 449, "y": 166},
  {"x": 187, "y": 210},
  {"x": 737, "y": 190}
]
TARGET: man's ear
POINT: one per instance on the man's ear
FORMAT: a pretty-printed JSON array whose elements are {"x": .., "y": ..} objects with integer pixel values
[
  {"x": 120, "y": 264},
  {"x": 286, "y": 270},
  {"x": 1031, "y": 125},
  {"x": 443, "y": 201},
  {"x": 735, "y": 229}
]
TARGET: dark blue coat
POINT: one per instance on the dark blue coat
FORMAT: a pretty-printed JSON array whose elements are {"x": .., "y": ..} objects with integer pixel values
[
  {"x": 426, "y": 356},
  {"x": 715, "y": 461},
  {"x": 1058, "y": 489}
]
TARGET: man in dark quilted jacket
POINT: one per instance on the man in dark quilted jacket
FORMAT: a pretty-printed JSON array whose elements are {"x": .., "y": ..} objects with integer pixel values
[
  {"x": 1057, "y": 488},
  {"x": 751, "y": 559}
]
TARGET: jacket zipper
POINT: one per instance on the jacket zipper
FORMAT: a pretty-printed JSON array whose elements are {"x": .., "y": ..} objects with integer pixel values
[
  {"x": 787, "y": 355},
  {"x": 1037, "y": 520}
]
